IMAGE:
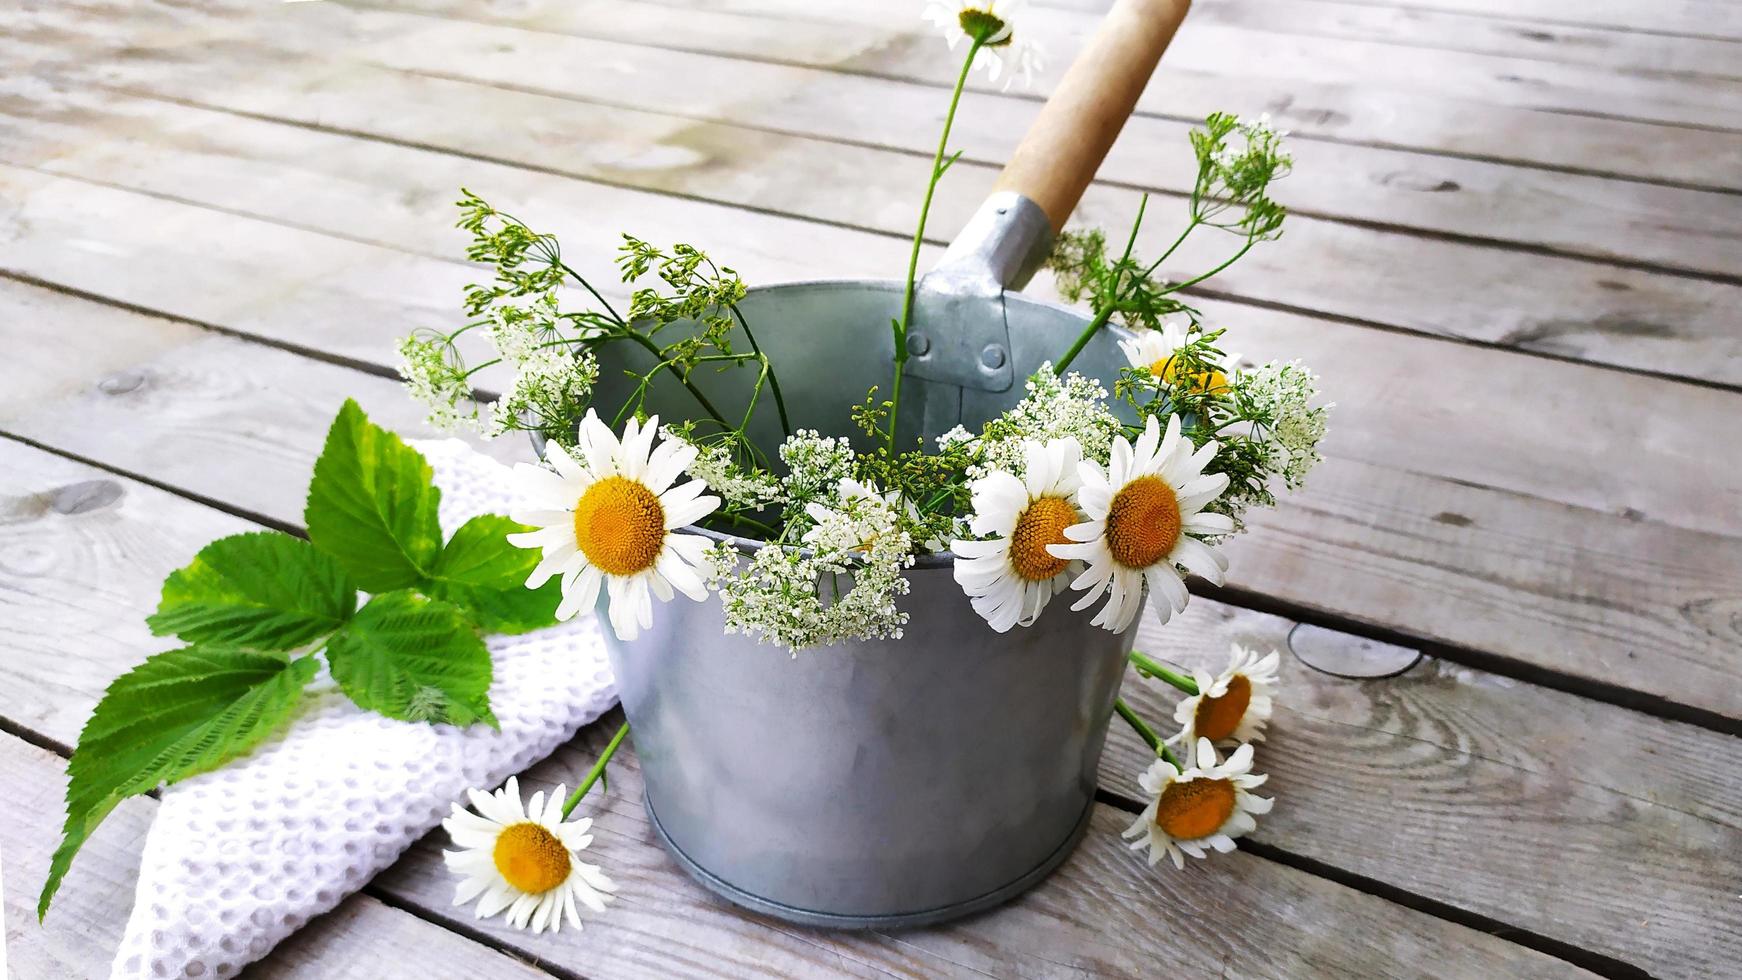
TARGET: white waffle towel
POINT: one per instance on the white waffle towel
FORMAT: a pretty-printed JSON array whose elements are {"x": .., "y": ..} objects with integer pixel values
[{"x": 240, "y": 858}]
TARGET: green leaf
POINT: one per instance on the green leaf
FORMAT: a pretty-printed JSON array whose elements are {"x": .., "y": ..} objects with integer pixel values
[
  {"x": 414, "y": 659},
  {"x": 372, "y": 506},
  {"x": 482, "y": 572},
  {"x": 177, "y": 714},
  {"x": 262, "y": 591}
]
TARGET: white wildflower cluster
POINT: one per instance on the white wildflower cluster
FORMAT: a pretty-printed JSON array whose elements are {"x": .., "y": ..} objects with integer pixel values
[
  {"x": 553, "y": 376},
  {"x": 815, "y": 464},
  {"x": 1071, "y": 407},
  {"x": 1252, "y": 139},
  {"x": 958, "y": 436},
  {"x": 841, "y": 586},
  {"x": 434, "y": 380},
  {"x": 1276, "y": 430},
  {"x": 1282, "y": 393},
  {"x": 518, "y": 332},
  {"x": 743, "y": 488},
  {"x": 550, "y": 382}
]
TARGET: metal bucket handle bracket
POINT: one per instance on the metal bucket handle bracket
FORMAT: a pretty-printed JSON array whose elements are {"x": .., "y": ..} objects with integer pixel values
[{"x": 960, "y": 334}]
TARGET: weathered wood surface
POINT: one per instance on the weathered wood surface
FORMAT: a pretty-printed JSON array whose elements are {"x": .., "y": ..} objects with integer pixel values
[
  {"x": 81, "y": 525},
  {"x": 1093, "y": 918},
  {"x": 1523, "y": 176},
  {"x": 1305, "y": 78},
  {"x": 1436, "y": 26},
  {"x": 362, "y": 939},
  {"x": 1526, "y": 755},
  {"x": 1552, "y": 304},
  {"x": 1686, "y": 18},
  {"x": 1573, "y": 214},
  {"x": 1495, "y": 796},
  {"x": 1441, "y": 537}
]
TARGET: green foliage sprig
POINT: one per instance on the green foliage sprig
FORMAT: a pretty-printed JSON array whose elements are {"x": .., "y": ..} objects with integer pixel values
[
  {"x": 1237, "y": 163},
  {"x": 554, "y": 351},
  {"x": 258, "y": 611}
]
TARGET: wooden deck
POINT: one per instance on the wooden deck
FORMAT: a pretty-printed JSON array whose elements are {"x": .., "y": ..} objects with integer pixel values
[{"x": 1516, "y": 258}]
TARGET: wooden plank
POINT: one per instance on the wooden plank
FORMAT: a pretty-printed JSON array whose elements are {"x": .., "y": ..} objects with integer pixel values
[
  {"x": 1101, "y": 914},
  {"x": 1572, "y": 214},
  {"x": 1679, "y": 820},
  {"x": 860, "y": 35},
  {"x": 1394, "y": 538},
  {"x": 1433, "y": 121},
  {"x": 1691, "y": 18},
  {"x": 1098, "y": 912},
  {"x": 1433, "y": 28},
  {"x": 1507, "y": 796},
  {"x": 1543, "y": 303},
  {"x": 361, "y": 939}
]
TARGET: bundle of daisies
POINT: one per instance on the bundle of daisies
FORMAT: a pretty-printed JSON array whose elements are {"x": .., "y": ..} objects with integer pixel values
[
  {"x": 1059, "y": 495},
  {"x": 1099, "y": 492}
]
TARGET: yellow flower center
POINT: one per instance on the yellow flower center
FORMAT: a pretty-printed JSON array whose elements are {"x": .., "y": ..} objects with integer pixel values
[
  {"x": 619, "y": 526},
  {"x": 1143, "y": 522},
  {"x": 1216, "y": 718},
  {"x": 1194, "y": 809},
  {"x": 1169, "y": 370},
  {"x": 1043, "y": 523},
  {"x": 531, "y": 858},
  {"x": 982, "y": 24}
]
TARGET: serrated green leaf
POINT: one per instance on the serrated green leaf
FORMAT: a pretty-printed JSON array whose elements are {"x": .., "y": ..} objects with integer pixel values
[
  {"x": 371, "y": 505},
  {"x": 177, "y": 714},
  {"x": 480, "y": 571},
  {"x": 415, "y": 659},
  {"x": 261, "y": 591}
]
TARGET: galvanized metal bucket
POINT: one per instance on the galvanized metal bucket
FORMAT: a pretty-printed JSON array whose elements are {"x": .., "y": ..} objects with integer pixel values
[
  {"x": 875, "y": 783},
  {"x": 901, "y": 782}
]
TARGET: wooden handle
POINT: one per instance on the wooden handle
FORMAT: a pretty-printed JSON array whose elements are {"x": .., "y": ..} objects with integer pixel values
[{"x": 1077, "y": 126}]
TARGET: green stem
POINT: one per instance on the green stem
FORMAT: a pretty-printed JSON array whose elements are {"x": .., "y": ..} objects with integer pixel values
[
  {"x": 773, "y": 380},
  {"x": 1082, "y": 341},
  {"x": 937, "y": 172},
  {"x": 1100, "y": 319},
  {"x": 1170, "y": 249},
  {"x": 741, "y": 521},
  {"x": 1145, "y": 732},
  {"x": 755, "y": 394},
  {"x": 1150, "y": 668},
  {"x": 589, "y": 288},
  {"x": 596, "y": 773},
  {"x": 653, "y": 349},
  {"x": 1197, "y": 279}
]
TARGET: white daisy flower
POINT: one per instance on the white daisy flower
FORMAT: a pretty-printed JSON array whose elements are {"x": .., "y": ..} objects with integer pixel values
[
  {"x": 523, "y": 859},
  {"x": 1010, "y": 576},
  {"x": 1208, "y": 805},
  {"x": 609, "y": 520},
  {"x": 1155, "y": 349},
  {"x": 1233, "y": 705},
  {"x": 1145, "y": 514},
  {"x": 1003, "y": 52}
]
